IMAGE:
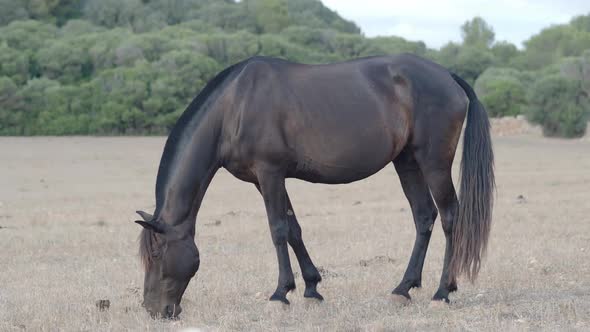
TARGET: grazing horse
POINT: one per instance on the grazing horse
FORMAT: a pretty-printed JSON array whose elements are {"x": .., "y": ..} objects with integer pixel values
[{"x": 267, "y": 119}]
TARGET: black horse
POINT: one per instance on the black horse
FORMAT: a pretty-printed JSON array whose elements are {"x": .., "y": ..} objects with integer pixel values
[{"x": 267, "y": 119}]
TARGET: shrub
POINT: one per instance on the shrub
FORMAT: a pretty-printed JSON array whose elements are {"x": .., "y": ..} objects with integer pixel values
[
  {"x": 559, "y": 106},
  {"x": 502, "y": 91}
]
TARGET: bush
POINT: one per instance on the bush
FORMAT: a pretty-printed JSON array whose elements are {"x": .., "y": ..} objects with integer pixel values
[
  {"x": 557, "y": 104},
  {"x": 502, "y": 91}
]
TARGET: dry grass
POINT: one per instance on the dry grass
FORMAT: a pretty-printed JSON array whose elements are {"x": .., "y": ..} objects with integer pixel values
[{"x": 67, "y": 240}]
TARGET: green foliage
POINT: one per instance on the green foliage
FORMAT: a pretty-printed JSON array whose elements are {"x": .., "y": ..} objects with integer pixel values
[
  {"x": 502, "y": 91},
  {"x": 503, "y": 52},
  {"x": 131, "y": 66},
  {"x": 554, "y": 43},
  {"x": 14, "y": 64},
  {"x": 113, "y": 13},
  {"x": 11, "y": 10},
  {"x": 313, "y": 14},
  {"x": 271, "y": 16},
  {"x": 477, "y": 33},
  {"x": 470, "y": 62},
  {"x": 10, "y": 117},
  {"x": 557, "y": 104},
  {"x": 66, "y": 62}
]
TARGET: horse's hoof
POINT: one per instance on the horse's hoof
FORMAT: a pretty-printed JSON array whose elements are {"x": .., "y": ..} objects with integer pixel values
[
  {"x": 313, "y": 294},
  {"x": 453, "y": 287},
  {"x": 400, "y": 299},
  {"x": 279, "y": 298}
]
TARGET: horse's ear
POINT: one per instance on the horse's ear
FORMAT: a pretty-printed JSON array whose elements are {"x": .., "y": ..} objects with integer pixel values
[
  {"x": 154, "y": 226},
  {"x": 145, "y": 216}
]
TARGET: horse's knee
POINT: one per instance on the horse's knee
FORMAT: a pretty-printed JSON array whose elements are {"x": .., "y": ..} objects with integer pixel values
[{"x": 279, "y": 233}]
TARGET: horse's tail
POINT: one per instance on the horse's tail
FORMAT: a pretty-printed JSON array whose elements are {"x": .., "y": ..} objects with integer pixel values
[{"x": 472, "y": 227}]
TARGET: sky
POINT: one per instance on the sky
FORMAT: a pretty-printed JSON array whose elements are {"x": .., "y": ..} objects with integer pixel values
[{"x": 438, "y": 22}]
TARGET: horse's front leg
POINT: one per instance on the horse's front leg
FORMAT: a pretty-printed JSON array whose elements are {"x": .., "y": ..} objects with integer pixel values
[
  {"x": 272, "y": 187},
  {"x": 309, "y": 271}
]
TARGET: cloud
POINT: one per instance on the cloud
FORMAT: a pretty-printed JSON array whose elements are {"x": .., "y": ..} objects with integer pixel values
[{"x": 437, "y": 22}]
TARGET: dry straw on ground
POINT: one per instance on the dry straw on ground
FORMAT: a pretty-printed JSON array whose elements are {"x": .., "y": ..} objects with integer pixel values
[{"x": 67, "y": 240}]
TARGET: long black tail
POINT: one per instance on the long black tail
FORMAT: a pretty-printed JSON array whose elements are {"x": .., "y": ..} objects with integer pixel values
[{"x": 472, "y": 227}]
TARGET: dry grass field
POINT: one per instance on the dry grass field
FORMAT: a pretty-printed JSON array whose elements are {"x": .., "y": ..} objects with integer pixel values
[{"x": 67, "y": 239}]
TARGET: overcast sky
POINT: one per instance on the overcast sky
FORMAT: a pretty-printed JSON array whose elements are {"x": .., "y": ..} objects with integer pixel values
[{"x": 437, "y": 22}]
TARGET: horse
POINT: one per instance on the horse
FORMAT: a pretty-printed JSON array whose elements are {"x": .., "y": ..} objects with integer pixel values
[{"x": 266, "y": 119}]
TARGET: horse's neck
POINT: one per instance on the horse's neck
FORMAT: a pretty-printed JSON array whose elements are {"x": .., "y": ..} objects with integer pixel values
[{"x": 186, "y": 170}]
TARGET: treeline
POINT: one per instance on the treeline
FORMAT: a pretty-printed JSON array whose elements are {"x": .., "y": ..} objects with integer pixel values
[{"x": 106, "y": 67}]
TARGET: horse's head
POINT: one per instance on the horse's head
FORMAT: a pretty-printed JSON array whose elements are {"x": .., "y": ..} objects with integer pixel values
[{"x": 170, "y": 258}]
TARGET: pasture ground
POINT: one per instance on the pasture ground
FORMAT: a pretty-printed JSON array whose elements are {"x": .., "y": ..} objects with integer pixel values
[{"x": 67, "y": 239}]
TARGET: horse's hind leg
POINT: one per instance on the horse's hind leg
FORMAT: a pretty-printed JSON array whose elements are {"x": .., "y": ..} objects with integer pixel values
[
  {"x": 310, "y": 273},
  {"x": 308, "y": 270},
  {"x": 424, "y": 212},
  {"x": 441, "y": 185}
]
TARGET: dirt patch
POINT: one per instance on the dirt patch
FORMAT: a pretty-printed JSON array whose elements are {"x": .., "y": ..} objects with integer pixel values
[{"x": 377, "y": 260}]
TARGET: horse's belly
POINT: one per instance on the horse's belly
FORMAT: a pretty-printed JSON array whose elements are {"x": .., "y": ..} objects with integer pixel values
[{"x": 349, "y": 161}]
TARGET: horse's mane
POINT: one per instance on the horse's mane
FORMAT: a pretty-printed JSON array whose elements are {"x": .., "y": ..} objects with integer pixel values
[
  {"x": 146, "y": 247},
  {"x": 146, "y": 238}
]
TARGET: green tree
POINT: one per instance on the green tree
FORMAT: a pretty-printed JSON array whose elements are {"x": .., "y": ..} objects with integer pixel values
[
  {"x": 469, "y": 62},
  {"x": 502, "y": 91},
  {"x": 14, "y": 64},
  {"x": 33, "y": 97},
  {"x": 11, "y": 10},
  {"x": 503, "y": 53},
  {"x": 10, "y": 104},
  {"x": 313, "y": 14},
  {"x": 113, "y": 13},
  {"x": 477, "y": 33},
  {"x": 271, "y": 16},
  {"x": 559, "y": 106},
  {"x": 65, "y": 61}
]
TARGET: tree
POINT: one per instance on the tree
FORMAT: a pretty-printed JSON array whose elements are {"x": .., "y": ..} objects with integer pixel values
[
  {"x": 578, "y": 69},
  {"x": 503, "y": 53},
  {"x": 271, "y": 15},
  {"x": 113, "y": 13},
  {"x": 33, "y": 97},
  {"x": 65, "y": 61},
  {"x": 10, "y": 104},
  {"x": 581, "y": 23},
  {"x": 313, "y": 14},
  {"x": 559, "y": 106},
  {"x": 391, "y": 45},
  {"x": 11, "y": 10},
  {"x": 477, "y": 33},
  {"x": 467, "y": 62},
  {"x": 502, "y": 91},
  {"x": 14, "y": 64}
]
